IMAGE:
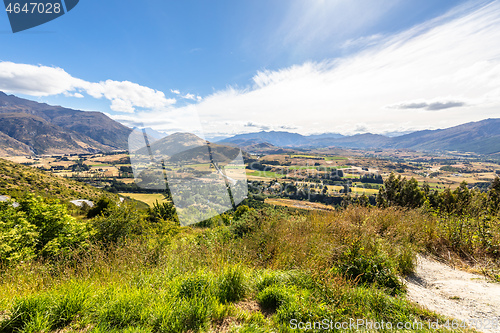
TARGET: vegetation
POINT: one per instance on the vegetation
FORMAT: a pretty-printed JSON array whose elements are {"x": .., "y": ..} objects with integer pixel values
[
  {"x": 120, "y": 268},
  {"x": 253, "y": 270},
  {"x": 17, "y": 180}
]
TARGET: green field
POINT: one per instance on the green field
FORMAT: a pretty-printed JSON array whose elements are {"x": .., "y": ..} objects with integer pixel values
[
  {"x": 265, "y": 174},
  {"x": 317, "y": 167},
  {"x": 335, "y": 158},
  {"x": 147, "y": 198}
]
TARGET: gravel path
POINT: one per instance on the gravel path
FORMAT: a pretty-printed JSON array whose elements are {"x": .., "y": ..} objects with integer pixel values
[{"x": 457, "y": 294}]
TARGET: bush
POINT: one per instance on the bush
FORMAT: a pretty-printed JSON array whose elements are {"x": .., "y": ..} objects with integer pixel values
[
  {"x": 369, "y": 268},
  {"x": 118, "y": 223},
  {"x": 38, "y": 228},
  {"x": 193, "y": 286},
  {"x": 122, "y": 309},
  {"x": 102, "y": 207},
  {"x": 28, "y": 314},
  {"x": 273, "y": 297},
  {"x": 231, "y": 285}
]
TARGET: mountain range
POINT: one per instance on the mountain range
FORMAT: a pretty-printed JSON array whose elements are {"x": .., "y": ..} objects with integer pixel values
[
  {"x": 29, "y": 127},
  {"x": 482, "y": 137}
]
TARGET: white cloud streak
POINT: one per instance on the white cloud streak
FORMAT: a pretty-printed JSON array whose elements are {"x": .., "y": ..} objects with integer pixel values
[
  {"x": 40, "y": 80},
  {"x": 450, "y": 65}
]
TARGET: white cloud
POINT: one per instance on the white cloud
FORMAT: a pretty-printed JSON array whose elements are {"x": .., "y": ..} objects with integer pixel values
[
  {"x": 323, "y": 24},
  {"x": 450, "y": 65},
  {"x": 125, "y": 96},
  {"x": 189, "y": 96},
  {"x": 35, "y": 80},
  {"x": 175, "y": 91},
  {"x": 40, "y": 80}
]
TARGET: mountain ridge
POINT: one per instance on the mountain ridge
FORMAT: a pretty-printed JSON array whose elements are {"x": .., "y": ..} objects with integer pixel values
[
  {"x": 481, "y": 137},
  {"x": 48, "y": 129}
]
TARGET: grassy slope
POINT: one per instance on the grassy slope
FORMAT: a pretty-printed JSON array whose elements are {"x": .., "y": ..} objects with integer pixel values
[
  {"x": 16, "y": 179},
  {"x": 266, "y": 269}
]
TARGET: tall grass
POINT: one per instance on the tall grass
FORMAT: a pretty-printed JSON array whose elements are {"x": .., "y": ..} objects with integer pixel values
[{"x": 267, "y": 268}]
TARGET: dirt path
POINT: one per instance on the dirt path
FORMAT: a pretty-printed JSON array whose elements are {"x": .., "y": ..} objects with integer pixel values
[{"x": 456, "y": 294}]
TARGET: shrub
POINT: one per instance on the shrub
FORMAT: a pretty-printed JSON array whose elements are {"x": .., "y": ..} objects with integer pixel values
[
  {"x": 197, "y": 285},
  {"x": 231, "y": 285},
  {"x": 28, "y": 314},
  {"x": 273, "y": 297},
  {"x": 117, "y": 224},
  {"x": 369, "y": 267}
]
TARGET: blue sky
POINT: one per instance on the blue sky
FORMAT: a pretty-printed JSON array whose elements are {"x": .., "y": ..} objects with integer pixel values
[{"x": 306, "y": 66}]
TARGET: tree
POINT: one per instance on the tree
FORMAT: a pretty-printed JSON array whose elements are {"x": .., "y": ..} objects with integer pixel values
[
  {"x": 400, "y": 192},
  {"x": 164, "y": 211},
  {"x": 494, "y": 196}
]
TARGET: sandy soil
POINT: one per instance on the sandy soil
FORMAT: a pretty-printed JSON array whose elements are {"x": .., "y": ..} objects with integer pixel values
[{"x": 457, "y": 294}]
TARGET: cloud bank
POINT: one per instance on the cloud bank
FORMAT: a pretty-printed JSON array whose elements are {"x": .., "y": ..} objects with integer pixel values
[
  {"x": 40, "y": 80},
  {"x": 449, "y": 65}
]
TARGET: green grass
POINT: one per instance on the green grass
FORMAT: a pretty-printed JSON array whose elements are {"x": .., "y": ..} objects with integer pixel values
[
  {"x": 147, "y": 198},
  {"x": 256, "y": 274},
  {"x": 99, "y": 165},
  {"x": 17, "y": 179},
  {"x": 335, "y": 158},
  {"x": 266, "y": 174}
]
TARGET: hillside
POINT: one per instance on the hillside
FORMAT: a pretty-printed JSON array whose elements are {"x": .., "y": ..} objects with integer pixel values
[
  {"x": 16, "y": 179},
  {"x": 12, "y": 147},
  {"x": 174, "y": 144},
  {"x": 90, "y": 130},
  {"x": 482, "y": 137},
  {"x": 43, "y": 137},
  {"x": 188, "y": 148},
  {"x": 280, "y": 139}
]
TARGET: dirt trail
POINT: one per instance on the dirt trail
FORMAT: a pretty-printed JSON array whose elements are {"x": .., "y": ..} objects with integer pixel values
[{"x": 456, "y": 294}]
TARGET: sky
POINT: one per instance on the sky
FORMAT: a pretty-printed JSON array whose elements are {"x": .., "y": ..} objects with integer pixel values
[{"x": 227, "y": 67}]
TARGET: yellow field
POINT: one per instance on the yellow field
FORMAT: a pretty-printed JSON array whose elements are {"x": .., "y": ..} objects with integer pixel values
[
  {"x": 299, "y": 204},
  {"x": 358, "y": 190},
  {"x": 147, "y": 198}
]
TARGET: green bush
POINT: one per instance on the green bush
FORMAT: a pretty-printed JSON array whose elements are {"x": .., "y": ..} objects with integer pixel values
[
  {"x": 101, "y": 207},
  {"x": 273, "y": 297},
  {"x": 122, "y": 309},
  {"x": 369, "y": 267},
  {"x": 39, "y": 228},
  {"x": 118, "y": 223},
  {"x": 200, "y": 284},
  {"x": 184, "y": 315},
  {"x": 30, "y": 314},
  {"x": 231, "y": 285}
]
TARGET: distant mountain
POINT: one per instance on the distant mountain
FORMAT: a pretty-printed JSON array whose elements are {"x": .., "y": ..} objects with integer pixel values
[
  {"x": 294, "y": 140},
  {"x": 155, "y": 134},
  {"x": 280, "y": 139},
  {"x": 255, "y": 146},
  {"x": 359, "y": 141},
  {"x": 482, "y": 137},
  {"x": 174, "y": 144},
  {"x": 188, "y": 148},
  {"x": 325, "y": 136},
  {"x": 47, "y": 129}
]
